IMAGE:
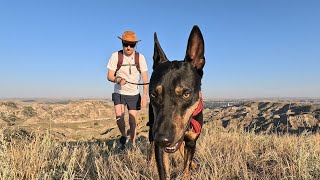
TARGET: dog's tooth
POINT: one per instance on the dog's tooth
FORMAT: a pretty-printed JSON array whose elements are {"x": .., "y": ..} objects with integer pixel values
[{"x": 173, "y": 147}]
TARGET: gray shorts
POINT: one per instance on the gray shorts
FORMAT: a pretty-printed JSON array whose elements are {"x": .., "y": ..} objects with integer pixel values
[{"x": 133, "y": 102}]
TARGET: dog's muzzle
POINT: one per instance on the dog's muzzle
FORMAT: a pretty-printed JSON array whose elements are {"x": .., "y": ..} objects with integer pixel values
[
  {"x": 173, "y": 148},
  {"x": 166, "y": 142}
]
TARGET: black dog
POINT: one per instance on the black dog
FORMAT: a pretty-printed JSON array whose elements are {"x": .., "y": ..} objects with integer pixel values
[{"x": 175, "y": 110}]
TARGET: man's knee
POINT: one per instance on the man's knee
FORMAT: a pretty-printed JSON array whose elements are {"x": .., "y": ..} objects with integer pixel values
[
  {"x": 120, "y": 115},
  {"x": 119, "y": 108}
]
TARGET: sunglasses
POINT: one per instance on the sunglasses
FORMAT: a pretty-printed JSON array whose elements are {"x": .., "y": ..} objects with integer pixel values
[{"x": 129, "y": 44}]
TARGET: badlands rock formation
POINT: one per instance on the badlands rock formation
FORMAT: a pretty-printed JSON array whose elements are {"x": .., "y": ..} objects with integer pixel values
[
  {"x": 84, "y": 119},
  {"x": 268, "y": 117}
]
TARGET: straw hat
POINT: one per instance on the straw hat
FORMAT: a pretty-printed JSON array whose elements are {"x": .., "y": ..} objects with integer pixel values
[{"x": 129, "y": 36}]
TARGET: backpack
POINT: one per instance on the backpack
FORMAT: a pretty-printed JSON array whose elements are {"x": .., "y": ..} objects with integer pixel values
[{"x": 120, "y": 61}]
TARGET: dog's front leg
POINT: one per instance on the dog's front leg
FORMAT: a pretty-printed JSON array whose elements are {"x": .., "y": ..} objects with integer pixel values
[
  {"x": 163, "y": 163},
  {"x": 151, "y": 157},
  {"x": 189, "y": 151}
]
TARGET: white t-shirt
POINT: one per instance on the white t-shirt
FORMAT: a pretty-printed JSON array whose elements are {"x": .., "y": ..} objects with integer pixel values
[{"x": 124, "y": 72}]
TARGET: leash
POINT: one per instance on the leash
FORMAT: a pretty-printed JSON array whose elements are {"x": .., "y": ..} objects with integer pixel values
[
  {"x": 129, "y": 81},
  {"x": 137, "y": 83},
  {"x": 195, "y": 125}
]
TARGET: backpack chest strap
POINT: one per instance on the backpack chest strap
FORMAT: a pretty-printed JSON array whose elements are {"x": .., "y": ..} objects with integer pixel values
[{"x": 120, "y": 61}]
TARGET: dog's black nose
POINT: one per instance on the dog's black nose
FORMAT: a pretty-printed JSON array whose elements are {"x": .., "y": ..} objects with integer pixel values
[{"x": 163, "y": 140}]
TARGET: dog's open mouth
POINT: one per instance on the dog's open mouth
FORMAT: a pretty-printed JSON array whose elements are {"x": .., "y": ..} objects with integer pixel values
[{"x": 173, "y": 148}]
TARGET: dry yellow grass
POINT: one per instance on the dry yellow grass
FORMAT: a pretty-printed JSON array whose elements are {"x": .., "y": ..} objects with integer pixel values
[{"x": 220, "y": 155}]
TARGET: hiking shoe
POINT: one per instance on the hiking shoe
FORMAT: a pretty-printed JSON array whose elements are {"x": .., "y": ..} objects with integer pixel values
[{"x": 123, "y": 141}]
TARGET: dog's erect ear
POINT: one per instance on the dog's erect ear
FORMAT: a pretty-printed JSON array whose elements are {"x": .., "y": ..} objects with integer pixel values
[
  {"x": 158, "y": 54},
  {"x": 195, "y": 49}
]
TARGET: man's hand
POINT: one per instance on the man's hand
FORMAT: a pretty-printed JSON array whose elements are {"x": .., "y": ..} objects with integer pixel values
[
  {"x": 119, "y": 80},
  {"x": 122, "y": 82}
]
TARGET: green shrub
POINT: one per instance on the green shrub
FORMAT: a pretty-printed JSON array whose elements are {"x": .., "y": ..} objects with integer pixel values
[
  {"x": 28, "y": 111},
  {"x": 10, "y": 104}
]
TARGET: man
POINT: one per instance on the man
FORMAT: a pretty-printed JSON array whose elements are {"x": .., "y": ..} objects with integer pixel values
[{"x": 126, "y": 76}]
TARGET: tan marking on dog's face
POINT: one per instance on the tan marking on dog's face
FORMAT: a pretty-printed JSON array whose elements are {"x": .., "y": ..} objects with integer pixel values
[
  {"x": 181, "y": 121},
  {"x": 159, "y": 89},
  {"x": 190, "y": 135},
  {"x": 178, "y": 90}
]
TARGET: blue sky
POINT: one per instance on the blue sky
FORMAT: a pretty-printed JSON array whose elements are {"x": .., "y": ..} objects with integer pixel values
[{"x": 60, "y": 48}]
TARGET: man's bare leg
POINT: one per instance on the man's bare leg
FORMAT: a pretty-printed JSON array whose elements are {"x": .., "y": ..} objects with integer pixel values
[
  {"x": 119, "y": 110},
  {"x": 133, "y": 125}
]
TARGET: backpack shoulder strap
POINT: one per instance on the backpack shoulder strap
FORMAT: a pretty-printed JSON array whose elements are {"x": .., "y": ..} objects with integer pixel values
[
  {"x": 136, "y": 61},
  {"x": 120, "y": 59}
]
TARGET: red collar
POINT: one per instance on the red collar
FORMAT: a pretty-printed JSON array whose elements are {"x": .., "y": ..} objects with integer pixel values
[{"x": 195, "y": 125}]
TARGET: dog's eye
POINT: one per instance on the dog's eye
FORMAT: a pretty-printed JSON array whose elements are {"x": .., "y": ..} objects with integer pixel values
[
  {"x": 186, "y": 95},
  {"x": 153, "y": 94}
]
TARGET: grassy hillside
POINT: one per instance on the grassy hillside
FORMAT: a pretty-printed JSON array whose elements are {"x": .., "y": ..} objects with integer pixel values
[
  {"x": 220, "y": 155},
  {"x": 62, "y": 140}
]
